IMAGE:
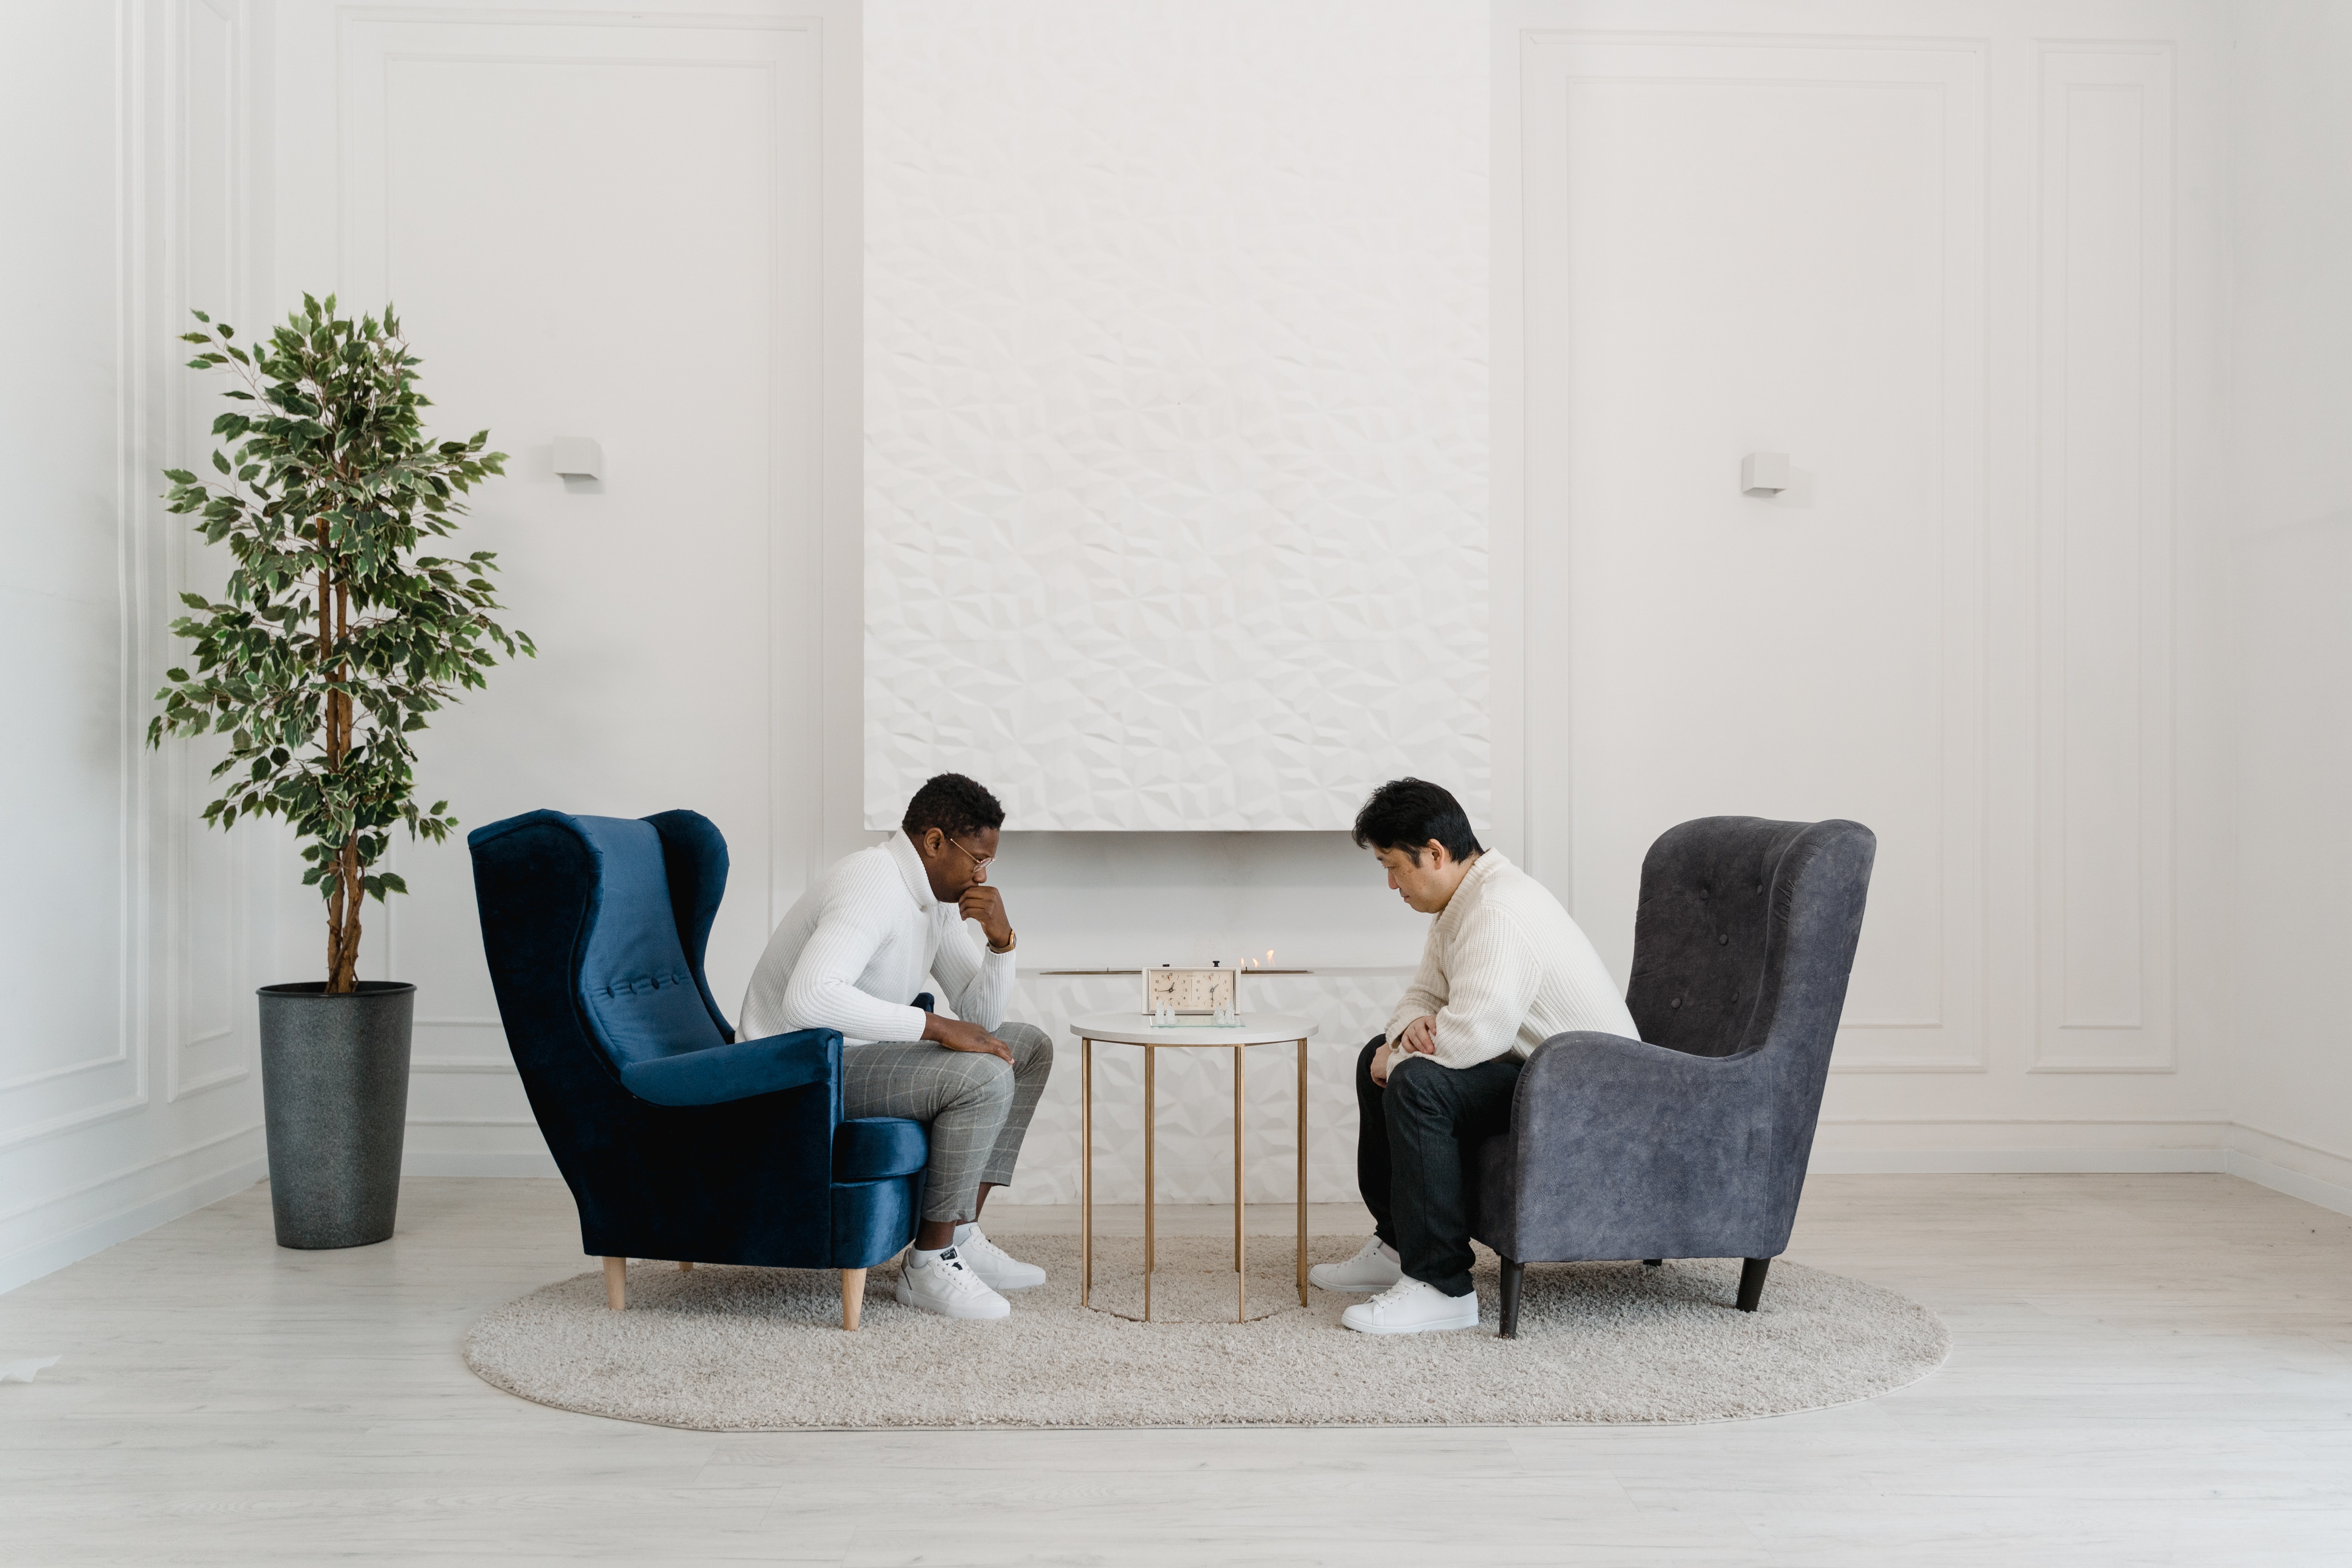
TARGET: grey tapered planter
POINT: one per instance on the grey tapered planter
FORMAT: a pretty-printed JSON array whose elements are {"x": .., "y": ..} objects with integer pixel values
[{"x": 334, "y": 1091}]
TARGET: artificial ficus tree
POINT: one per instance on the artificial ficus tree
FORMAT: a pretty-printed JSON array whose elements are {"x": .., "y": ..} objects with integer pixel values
[{"x": 333, "y": 639}]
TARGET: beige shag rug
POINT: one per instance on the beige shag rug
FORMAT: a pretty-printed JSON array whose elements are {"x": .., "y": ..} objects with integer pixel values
[{"x": 724, "y": 1349}]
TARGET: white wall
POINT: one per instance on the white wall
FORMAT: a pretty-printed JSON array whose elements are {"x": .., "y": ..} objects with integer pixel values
[
  {"x": 127, "y": 1089},
  {"x": 2291, "y": 553}
]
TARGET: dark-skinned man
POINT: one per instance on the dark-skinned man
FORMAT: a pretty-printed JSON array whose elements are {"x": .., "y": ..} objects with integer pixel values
[{"x": 876, "y": 928}]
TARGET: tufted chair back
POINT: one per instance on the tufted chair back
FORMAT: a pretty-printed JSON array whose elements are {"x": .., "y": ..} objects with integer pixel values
[
  {"x": 641, "y": 994},
  {"x": 1746, "y": 930}
]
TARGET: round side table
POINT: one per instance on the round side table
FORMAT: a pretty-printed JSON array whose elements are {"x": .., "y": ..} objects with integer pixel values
[{"x": 1138, "y": 1029}]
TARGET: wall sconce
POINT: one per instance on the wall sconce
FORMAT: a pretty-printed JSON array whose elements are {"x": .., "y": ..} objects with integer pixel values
[
  {"x": 579, "y": 458},
  {"x": 1764, "y": 473}
]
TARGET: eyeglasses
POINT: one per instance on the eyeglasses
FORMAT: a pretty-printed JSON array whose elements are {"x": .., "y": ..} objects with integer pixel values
[{"x": 980, "y": 863}]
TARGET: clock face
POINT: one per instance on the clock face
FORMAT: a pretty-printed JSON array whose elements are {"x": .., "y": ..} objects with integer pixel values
[{"x": 1188, "y": 990}]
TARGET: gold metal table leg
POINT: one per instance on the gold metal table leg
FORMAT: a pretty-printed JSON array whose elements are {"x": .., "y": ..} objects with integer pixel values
[
  {"x": 1302, "y": 1172},
  {"x": 1151, "y": 1112},
  {"x": 1241, "y": 1275},
  {"x": 1087, "y": 1171}
]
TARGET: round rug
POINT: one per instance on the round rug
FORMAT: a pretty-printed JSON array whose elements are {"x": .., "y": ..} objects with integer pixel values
[{"x": 731, "y": 1350}]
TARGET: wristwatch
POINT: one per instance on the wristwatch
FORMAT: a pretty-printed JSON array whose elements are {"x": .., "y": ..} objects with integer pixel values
[{"x": 1011, "y": 941}]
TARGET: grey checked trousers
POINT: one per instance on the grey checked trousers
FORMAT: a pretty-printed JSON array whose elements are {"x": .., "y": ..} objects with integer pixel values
[{"x": 977, "y": 1109}]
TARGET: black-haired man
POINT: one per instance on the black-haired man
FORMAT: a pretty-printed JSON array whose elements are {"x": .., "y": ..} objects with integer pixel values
[
  {"x": 851, "y": 955},
  {"x": 1504, "y": 969}
]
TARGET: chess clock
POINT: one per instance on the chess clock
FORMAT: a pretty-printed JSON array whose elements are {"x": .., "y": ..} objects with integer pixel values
[{"x": 1195, "y": 991}]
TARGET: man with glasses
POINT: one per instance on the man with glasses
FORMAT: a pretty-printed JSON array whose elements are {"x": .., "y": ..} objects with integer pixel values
[{"x": 853, "y": 954}]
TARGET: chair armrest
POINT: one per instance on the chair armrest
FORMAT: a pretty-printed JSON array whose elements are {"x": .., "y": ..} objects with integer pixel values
[
  {"x": 1587, "y": 1084},
  {"x": 719, "y": 1074},
  {"x": 1622, "y": 1149}
]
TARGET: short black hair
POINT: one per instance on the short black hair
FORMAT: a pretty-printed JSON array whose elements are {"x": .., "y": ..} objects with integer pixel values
[
  {"x": 954, "y": 805},
  {"x": 1406, "y": 814}
]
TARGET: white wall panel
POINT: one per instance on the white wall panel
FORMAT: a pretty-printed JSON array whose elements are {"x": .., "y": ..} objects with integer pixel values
[
  {"x": 1736, "y": 245},
  {"x": 2104, "y": 426},
  {"x": 207, "y": 911},
  {"x": 1176, "y": 408}
]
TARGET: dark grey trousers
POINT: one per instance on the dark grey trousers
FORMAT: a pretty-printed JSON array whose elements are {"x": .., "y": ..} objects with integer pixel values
[
  {"x": 1412, "y": 1138},
  {"x": 976, "y": 1108}
]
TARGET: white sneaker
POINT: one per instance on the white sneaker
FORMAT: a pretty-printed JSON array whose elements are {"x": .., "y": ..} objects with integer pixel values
[
  {"x": 997, "y": 1268},
  {"x": 1413, "y": 1307},
  {"x": 1374, "y": 1268},
  {"x": 948, "y": 1288}
]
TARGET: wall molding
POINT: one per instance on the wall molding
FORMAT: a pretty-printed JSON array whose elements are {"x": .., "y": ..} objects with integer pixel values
[
  {"x": 1942, "y": 1024},
  {"x": 2105, "y": 259}
]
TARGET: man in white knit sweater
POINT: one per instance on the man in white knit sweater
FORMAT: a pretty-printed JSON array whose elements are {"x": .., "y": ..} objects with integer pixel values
[
  {"x": 851, "y": 955},
  {"x": 1504, "y": 969}
]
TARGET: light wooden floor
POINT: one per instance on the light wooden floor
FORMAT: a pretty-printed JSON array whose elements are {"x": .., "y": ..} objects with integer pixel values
[{"x": 2146, "y": 1370}]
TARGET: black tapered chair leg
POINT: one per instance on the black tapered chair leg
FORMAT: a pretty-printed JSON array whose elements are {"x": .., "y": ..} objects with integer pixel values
[
  {"x": 1751, "y": 1282},
  {"x": 1511, "y": 1275},
  {"x": 1654, "y": 1263}
]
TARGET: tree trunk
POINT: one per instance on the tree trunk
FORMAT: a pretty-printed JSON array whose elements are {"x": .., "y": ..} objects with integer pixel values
[
  {"x": 344, "y": 903},
  {"x": 343, "y": 922}
]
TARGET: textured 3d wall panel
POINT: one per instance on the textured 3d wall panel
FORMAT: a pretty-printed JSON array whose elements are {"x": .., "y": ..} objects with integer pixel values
[{"x": 1176, "y": 406}]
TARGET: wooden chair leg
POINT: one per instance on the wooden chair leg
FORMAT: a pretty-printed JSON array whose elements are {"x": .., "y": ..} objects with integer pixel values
[
  {"x": 853, "y": 1298},
  {"x": 1511, "y": 1275},
  {"x": 685, "y": 1266},
  {"x": 1751, "y": 1282},
  {"x": 616, "y": 1282}
]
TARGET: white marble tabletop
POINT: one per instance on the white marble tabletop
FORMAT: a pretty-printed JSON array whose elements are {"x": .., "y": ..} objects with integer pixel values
[{"x": 1137, "y": 1029}]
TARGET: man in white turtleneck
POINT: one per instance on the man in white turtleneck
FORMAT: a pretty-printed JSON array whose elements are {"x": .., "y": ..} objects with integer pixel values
[
  {"x": 1504, "y": 969},
  {"x": 853, "y": 954}
]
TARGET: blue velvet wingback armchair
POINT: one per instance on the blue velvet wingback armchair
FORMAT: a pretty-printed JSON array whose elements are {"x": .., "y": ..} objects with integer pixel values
[
  {"x": 677, "y": 1139},
  {"x": 1691, "y": 1142}
]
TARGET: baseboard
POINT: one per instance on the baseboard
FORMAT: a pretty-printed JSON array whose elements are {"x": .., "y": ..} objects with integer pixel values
[
  {"x": 476, "y": 1162},
  {"x": 477, "y": 1146},
  {"x": 2287, "y": 1165},
  {"x": 98, "y": 1234},
  {"x": 2013, "y": 1161}
]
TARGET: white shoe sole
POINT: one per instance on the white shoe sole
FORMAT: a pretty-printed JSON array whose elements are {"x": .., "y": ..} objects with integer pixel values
[
  {"x": 1443, "y": 1325},
  {"x": 1000, "y": 1288},
  {"x": 1315, "y": 1277},
  {"x": 972, "y": 1311}
]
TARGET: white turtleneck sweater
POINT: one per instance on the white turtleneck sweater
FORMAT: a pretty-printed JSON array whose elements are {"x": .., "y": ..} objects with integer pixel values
[
  {"x": 853, "y": 953},
  {"x": 1504, "y": 969}
]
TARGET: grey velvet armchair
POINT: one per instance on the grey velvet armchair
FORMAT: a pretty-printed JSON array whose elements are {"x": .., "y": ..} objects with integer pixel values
[{"x": 1692, "y": 1141}]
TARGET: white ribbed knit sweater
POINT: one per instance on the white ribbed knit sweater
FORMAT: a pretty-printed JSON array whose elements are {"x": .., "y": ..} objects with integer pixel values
[
  {"x": 855, "y": 948},
  {"x": 1504, "y": 969}
]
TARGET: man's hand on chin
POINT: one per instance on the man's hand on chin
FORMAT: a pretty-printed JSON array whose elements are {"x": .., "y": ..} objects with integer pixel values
[
  {"x": 958, "y": 1035},
  {"x": 984, "y": 903}
]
